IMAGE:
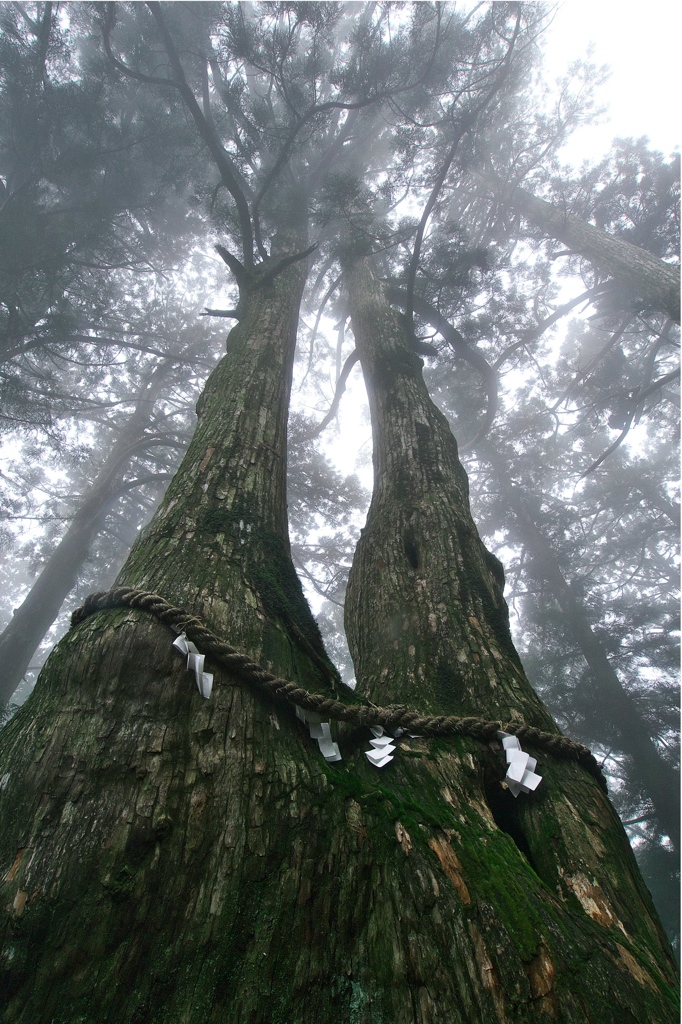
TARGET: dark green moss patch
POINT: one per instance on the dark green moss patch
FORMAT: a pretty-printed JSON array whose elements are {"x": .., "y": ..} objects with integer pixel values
[
  {"x": 224, "y": 519},
  {"x": 388, "y": 803},
  {"x": 272, "y": 573},
  {"x": 119, "y": 887},
  {"x": 449, "y": 687}
]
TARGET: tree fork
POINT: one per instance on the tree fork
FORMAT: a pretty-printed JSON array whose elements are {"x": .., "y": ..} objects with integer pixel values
[{"x": 198, "y": 861}]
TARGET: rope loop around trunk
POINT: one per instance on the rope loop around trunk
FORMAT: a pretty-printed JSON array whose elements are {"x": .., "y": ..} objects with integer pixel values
[{"x": 392, "y": 717}]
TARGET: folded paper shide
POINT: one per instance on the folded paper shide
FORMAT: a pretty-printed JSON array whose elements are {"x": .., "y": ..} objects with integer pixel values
[
  {"x": 520, "y": 777},
  {"x": 321, "y": 732},
  {"x": 382, "y": 746},
  {"x": 195, "y": 663}
]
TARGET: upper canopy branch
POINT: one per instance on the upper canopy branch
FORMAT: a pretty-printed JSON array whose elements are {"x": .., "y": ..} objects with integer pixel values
[
  {"x": 107, "y": 25},
  {"x": 467, "y": 121},
  {"x": 229, "y": 173},
  {"x": 352, "y": 105},
  {"x": 645, "y": 275}
]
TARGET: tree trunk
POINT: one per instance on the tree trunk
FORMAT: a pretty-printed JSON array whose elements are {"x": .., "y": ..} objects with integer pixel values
[
  {"x": 650, "y": 279},
  {"x": 170, "y": 858},
  {"x": 34, "y": 616},
  {"x": 157, "y": 849},
  {"x": 546, "y": 912},
  {"x": 658, "y": 777}
]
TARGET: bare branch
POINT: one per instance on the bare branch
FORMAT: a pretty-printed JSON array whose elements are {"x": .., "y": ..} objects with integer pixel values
[{"x": 340, "y": 388}]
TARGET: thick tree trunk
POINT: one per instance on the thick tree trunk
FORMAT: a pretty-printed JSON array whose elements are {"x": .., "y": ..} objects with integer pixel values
[
  {"x": 156, "y": 847},
  {"x": 34, "y": 616},
  {"x": 547, "y": 914},
  {"x": 648, "y": 278},
  {"x": 658, "y": 777},
  {"x": 170, "y": 858}
]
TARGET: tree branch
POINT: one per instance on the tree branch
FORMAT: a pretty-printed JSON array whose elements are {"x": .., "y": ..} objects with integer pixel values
[
  {"x": 282, "y": 264},
  {"x": 229, "y": 173},
  {"x": 231, "y": 314},
  {"x": 340, "y": 388},
  {"x": 235, "y": 266},
  {"x": 107, "y": 25}
]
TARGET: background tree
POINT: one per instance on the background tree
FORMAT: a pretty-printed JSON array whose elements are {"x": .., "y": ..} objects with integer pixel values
[{"x": 142, "y": 422}]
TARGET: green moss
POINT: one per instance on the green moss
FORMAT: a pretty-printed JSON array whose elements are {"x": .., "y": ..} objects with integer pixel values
[
  {"x": 272, "y": 573},
  {"x": 474, "y": 590},
  {"x": 120, "y": 886},
  {"x": 224, "y": 519},
  {"x": 448, "y": 686},
  {"x": 394, "y": 803}
]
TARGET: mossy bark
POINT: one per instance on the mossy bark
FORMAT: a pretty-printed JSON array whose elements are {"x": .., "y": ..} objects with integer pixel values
[
  {"x": 427, "y": 626},
  {"x": 171, "y": 859}
]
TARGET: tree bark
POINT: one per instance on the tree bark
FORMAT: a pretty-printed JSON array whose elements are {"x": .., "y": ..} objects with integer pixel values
[
  {"x": 157, "y": 848},
  {"x": 170, "y": 858},
  {"x": 427, "y": 625},
  {"x": 658, "y": 777},
  {"x": 650, "y": 279},
  {"x": 34, "y": 616}
]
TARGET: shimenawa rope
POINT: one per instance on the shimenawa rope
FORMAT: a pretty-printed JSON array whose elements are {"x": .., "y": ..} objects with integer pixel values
[{"x": 392, "y": 717}]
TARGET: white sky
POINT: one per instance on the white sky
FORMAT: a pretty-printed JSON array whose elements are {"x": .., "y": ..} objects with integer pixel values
[{"x": 641, "y": 45}]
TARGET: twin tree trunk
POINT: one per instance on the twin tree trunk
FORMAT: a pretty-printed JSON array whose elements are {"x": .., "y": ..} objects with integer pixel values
[{"x": 168, "y": 858}]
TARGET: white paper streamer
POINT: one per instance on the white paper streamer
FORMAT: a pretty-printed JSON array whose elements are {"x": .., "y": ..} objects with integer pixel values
[
  {"x": 195, "y": 663},
  {"x": 321, "y": 732},
  {"x": 382, "y": 748},
  {"x": 520, "y": 777}
]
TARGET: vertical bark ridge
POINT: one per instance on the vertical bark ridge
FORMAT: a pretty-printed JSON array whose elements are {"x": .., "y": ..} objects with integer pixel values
[
  {"x": 426, "y": 623},
  {"x": 170, "y": 859}
]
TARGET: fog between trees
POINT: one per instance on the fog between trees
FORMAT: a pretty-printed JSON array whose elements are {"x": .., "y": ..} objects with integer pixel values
[{"x": 345, "y": 156}]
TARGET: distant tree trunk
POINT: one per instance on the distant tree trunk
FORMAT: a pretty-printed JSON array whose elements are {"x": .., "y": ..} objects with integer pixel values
[
  {"x": 177, "y": 859},
  {"x": 620, "y": 711},
  {"x": 34, "y": 616},
  {"x": 533, "y": 887},
  {"x": 649, "y": 278}
]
